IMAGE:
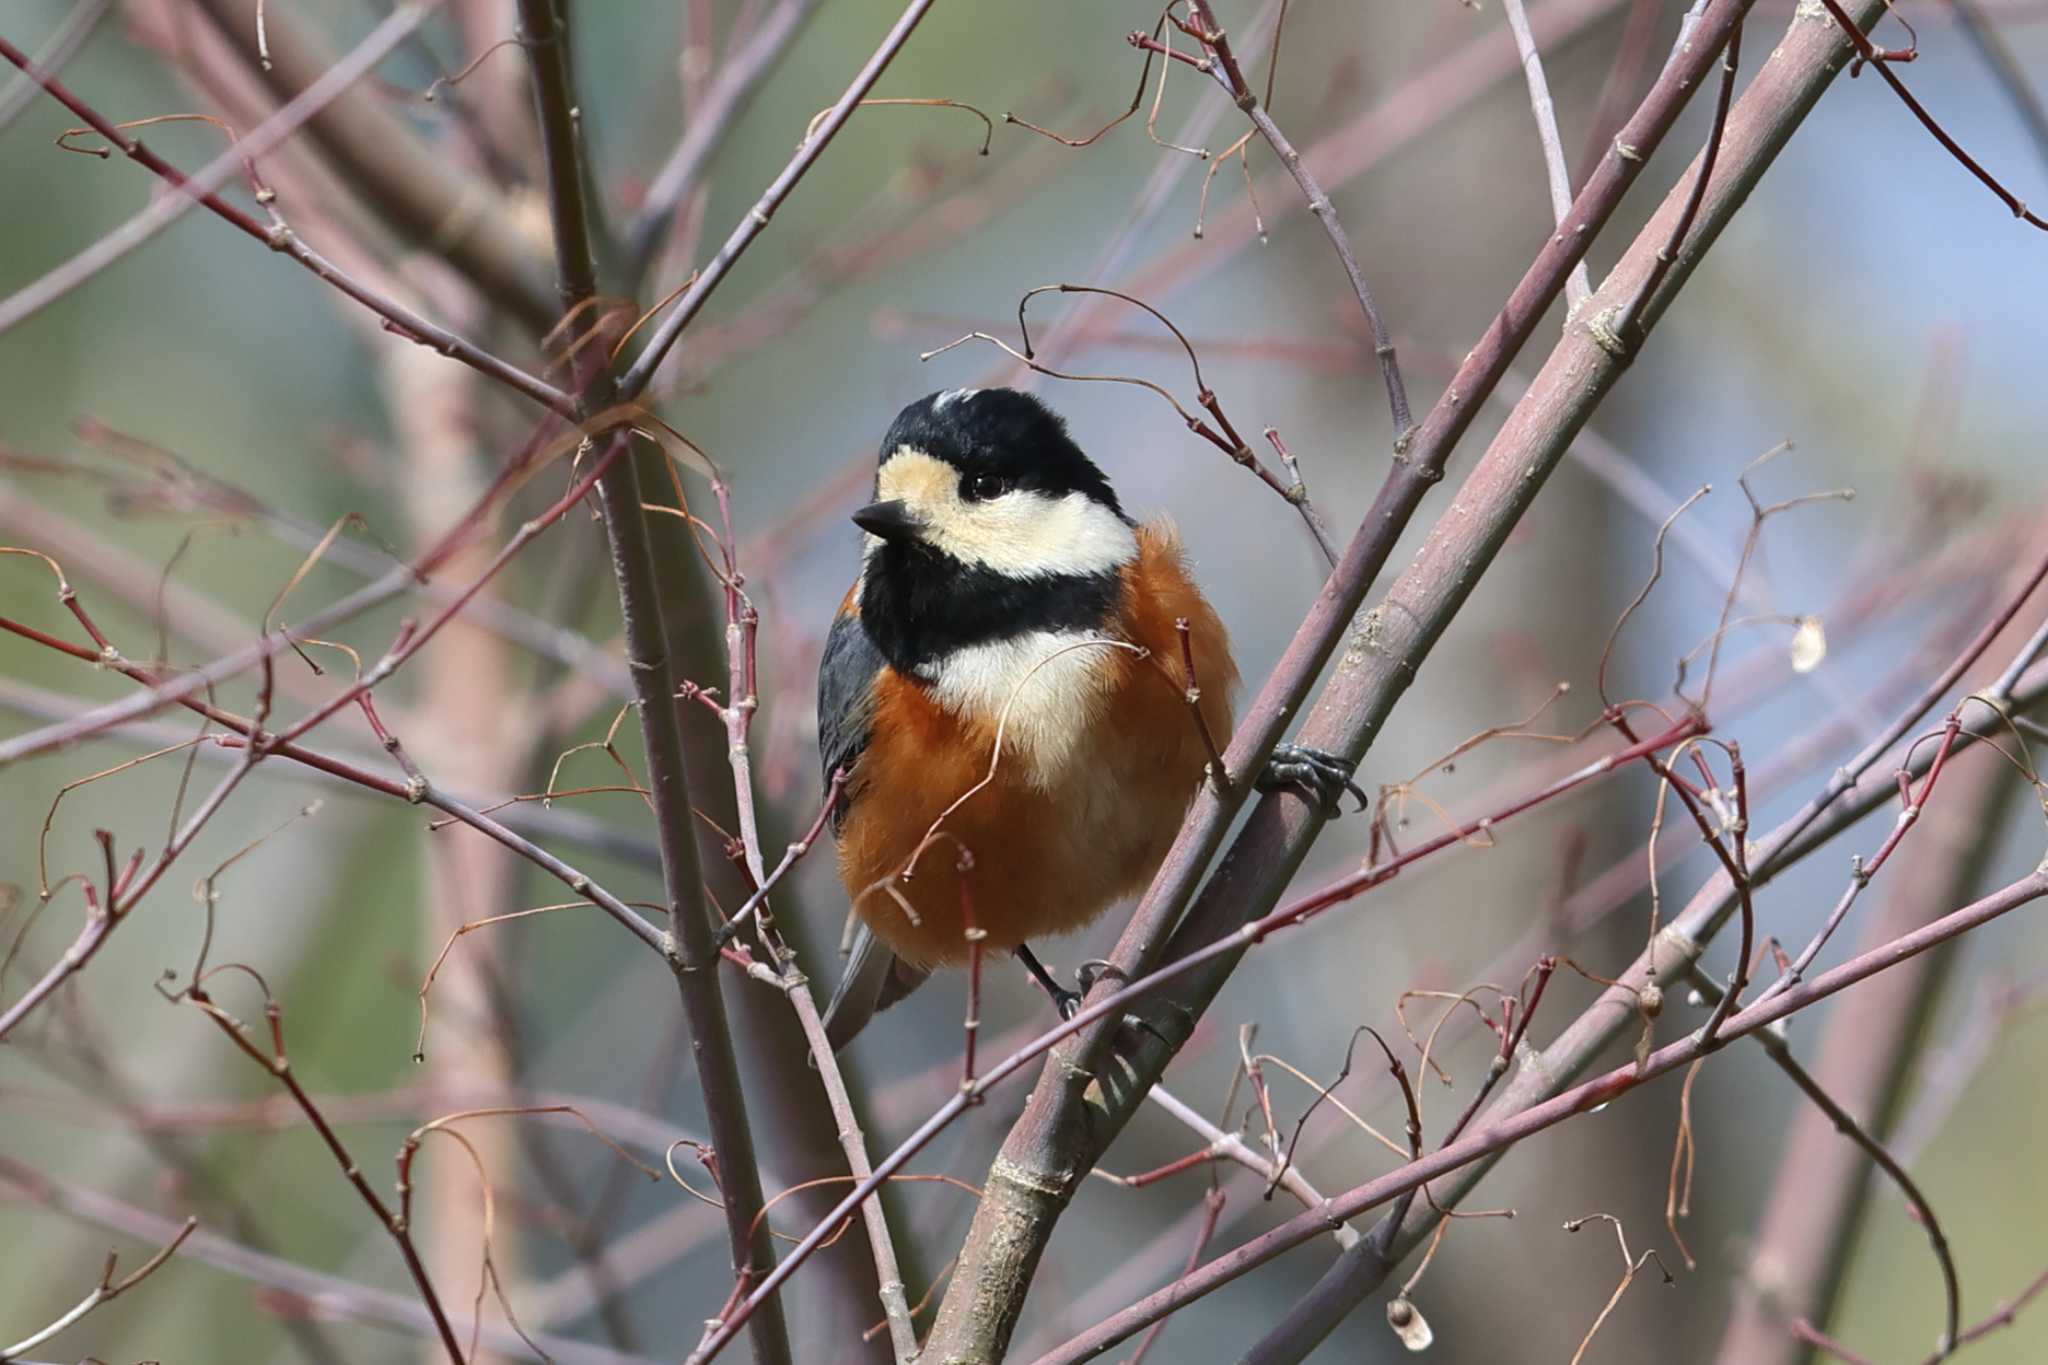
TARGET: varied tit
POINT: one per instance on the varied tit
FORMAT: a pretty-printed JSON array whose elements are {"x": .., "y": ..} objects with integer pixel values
[{"x": 1002, "y": 593}]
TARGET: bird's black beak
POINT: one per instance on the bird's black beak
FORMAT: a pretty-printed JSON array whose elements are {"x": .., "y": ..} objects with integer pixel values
[{"x": 891, "y": 520}]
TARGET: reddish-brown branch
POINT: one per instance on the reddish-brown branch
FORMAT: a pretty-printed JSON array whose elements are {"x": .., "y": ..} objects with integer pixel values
[
  {"x": 1912, "y": 804},
  {"x": 279, "y": 1066},
  {"x": 1868, "y": 53},
  {"x": 1846, "y": 1124},
  {"x": 1701, "y": 177},
  {"x": 790, "y": 857},
  {"x": 2002, "y": 1316},
  {"x": 1212, "y": 1212},
  {"x": 1356, "y": 883}
]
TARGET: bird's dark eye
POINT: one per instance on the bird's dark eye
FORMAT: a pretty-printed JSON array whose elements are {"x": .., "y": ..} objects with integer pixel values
[{"x": 982, "y": 487}]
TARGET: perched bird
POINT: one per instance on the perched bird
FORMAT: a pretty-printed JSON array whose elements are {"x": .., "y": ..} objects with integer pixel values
[{"x": 1004, "y": 594}]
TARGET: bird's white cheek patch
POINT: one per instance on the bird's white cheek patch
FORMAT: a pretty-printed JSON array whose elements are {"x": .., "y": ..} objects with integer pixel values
[
  {"x": 1020, "y": 535},
  {"x": 1054, "y": 685},
  {"x": 927, "y": 484}
]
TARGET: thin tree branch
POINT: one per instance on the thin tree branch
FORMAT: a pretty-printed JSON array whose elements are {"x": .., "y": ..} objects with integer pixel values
[
  {"x": 1869, "y": 53},
  {"x": 278, "y": 1063},
  {"x": 106, "y": 1291},
  {"x": 713, "y": 274},
  {"x": 426, "y": 196},
  {"x": 740, "y": 76},
  {"x": 1864, "y": 1058},
  {"x": 71, "y": 35},
  {"x": 1982, "y": 31},
  {"x": 742, "y": 701},
  {"x": 200, "y": 187},
  {"x": 1231, "y": 77},
  {"x": 328, "y": 1295},
  {"x": 1580, "y": 283},
  {"x": 1702, "y": 175}
]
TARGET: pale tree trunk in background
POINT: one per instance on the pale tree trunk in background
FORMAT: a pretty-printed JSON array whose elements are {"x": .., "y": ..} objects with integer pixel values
[
  {"x": 1809, "y": 1224},
  {"x": 464, "y": 732},
  {"x": 501, "y": 92}
]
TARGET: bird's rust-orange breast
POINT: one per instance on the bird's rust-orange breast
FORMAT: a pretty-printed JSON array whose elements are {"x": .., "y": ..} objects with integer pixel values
[{"x": 1045, "y": 858}]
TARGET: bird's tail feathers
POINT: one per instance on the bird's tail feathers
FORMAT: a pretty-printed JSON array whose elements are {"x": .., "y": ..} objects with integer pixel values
[{"x": 875, "y": 978}]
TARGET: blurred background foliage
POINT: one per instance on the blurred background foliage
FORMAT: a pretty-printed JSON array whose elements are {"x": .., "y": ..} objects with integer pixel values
[{"x": 1871, "y": 305}]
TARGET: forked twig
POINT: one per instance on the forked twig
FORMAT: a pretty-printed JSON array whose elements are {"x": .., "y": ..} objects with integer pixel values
[
  {"x": 106, "y": 1291},
  {"x": 1869, "y": 53},
  {"x": 1631, "y": 1266}
]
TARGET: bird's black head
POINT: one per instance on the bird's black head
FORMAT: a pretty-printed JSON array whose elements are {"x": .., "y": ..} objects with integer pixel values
[
  {"x": 998, "y": 440},
  {"x": 988, "y": 522}
]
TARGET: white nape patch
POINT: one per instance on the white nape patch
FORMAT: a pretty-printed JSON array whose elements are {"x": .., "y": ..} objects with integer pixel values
[
  {"x": 950, "y": 397},
  {"x": 1020, "y": 534},
  {"x": 1055, "y": 684}
]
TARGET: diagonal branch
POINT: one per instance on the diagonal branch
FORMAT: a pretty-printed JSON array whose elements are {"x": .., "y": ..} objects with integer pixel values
[
  {"x": 1544, "y": 109},
  {"x": 1863, "y": 1058},
  {"x": 200, "y": 187},
  {"x": 714, "y": 272},
  {"x": 740, "y": 75},
  {"x": 427, "y": 197},
  {"x": 106, "y": 1291},
  {"x": 1460, "y": 1158},
  {"x": 1231, "y": 77}
]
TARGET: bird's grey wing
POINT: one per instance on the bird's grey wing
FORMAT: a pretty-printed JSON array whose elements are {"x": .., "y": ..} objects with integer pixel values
[
  {"x": 875, "y": 978},
  {"x": 846, "y": 702}
]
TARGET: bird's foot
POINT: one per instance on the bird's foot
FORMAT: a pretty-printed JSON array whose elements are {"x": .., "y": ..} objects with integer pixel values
[
  {"x": 1131, "y": 1025},
  {"x": 1092, "y": 971},
  {"x": 1067, "y": 1002},
  {"x": 1323, "y": 777}
]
